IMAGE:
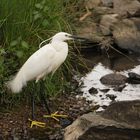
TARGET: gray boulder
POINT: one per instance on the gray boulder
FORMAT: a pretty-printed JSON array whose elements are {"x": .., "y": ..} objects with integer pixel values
[
  {"x": 124, "y": 112},
  {"x": 107, "y": 23},
  {"x": 120, "y": 121},
  {"x": 127, "y": 35},
  {"x": 127, "y": 7}
]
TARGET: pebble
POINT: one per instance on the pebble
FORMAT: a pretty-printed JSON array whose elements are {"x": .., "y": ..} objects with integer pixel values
[
  {"x": 104, "y": 90},
  {"x": 93, "y": 90},
  {"x": 111, "y": 96}
]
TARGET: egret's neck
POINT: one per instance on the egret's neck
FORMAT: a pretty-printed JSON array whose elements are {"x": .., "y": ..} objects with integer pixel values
[
  {"x": 59, "y": 45},
  {"x": 57, "y": 40}
]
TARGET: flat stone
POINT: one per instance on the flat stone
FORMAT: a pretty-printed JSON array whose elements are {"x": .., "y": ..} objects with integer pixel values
[
  {"x": 113, "y": 79},
  {"x": 120, "y": 121}
]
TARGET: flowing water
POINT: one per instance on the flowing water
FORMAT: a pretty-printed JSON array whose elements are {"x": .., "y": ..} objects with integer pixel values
[{"x": 106, "y": 64}]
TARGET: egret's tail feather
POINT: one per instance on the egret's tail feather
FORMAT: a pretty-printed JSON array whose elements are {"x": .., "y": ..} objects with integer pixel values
[{"x": 17, "y": 83}]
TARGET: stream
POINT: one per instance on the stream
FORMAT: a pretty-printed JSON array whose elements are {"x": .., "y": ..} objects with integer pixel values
[{"x": 106, "y": 64}]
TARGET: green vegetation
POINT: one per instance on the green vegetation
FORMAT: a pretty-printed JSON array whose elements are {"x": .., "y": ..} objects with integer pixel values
[{"x": 23, "y": 25}]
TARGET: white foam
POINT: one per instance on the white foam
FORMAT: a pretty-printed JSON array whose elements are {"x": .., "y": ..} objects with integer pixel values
[{"x": 92, "y": 79}]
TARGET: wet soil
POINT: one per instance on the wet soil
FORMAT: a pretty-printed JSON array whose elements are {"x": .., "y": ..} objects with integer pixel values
[{"x": 14, "y": 124}]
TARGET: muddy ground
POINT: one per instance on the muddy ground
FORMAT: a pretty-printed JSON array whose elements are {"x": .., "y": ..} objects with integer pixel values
[{"x": 15, "y": 125}]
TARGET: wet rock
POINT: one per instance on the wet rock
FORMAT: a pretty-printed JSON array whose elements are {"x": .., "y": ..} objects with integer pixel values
[
  {"x": 126, "y": 35},
  {"x": 111, "y": 96},
  {"x": 134, "y": 78},
  {"x": 120, "y": 121},
  {"x": 65, "y": 122},
  {"x": 107, "y": 23},
  {"x": 119, "y": 88},
  {"x": 104, "y": 90},
  {"x": 93, "y": 90},
  {"x": 113, "y": 79},
  {"x": 104, "y": 106},
  {"x": 127, "y": 7}
]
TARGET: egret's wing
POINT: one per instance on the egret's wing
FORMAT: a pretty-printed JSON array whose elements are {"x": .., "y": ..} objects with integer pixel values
[{"x": 39, "y": 62}]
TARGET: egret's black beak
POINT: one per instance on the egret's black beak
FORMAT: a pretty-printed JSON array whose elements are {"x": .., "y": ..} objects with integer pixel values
[
  {"x": 77, "y": 37},
  {"x": 84, "y": 41}
]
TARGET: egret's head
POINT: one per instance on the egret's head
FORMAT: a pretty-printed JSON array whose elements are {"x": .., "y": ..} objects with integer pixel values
[{"x": 62, "y": 36}]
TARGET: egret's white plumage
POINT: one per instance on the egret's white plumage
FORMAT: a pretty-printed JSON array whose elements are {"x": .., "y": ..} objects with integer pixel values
[{"x": 44, "y": 61}]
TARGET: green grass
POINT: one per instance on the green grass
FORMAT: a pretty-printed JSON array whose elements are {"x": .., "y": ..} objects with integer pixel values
[{"x": 23, "y": 25}]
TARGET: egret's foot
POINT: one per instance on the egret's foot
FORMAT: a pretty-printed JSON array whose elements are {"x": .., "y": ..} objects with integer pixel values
[
  {"x": 55, "y": 116},
  {"x": 37, "y": 123}
]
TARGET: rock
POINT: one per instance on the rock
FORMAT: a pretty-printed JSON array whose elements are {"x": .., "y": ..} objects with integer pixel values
[
  {"x": 107, "y": 3},
  {"x": 136, "y": 22},
  {"x": 127, "y": 7},
  {"x": 93, "y": 90},
  {"x": 133, "y": 75},
  {"x": 113, "y": 79},
  {"x": 120, "y": 121},
  {"x": 119, "y": 88},
  {"x": 107, "y": 22},
  {"x": 104, "y": 90},
  {"x": 117, "y": 19},
  {"x": 134, "y": 78},
  {"x": 90, "y": 4},
  {"x": 111, "y": 96},
  {"x": 126, "y": 35},
  {"x": 125, "y": 112},
  {"x": 87, "y": 30},
  {"x": 101, "y": 10}
]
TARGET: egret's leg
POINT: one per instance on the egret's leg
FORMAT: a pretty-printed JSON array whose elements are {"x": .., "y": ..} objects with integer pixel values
[
  {"x": 33, "y": 121},
  {"x": 43, "y": 98},
  {"x": 33, "y": 106}
]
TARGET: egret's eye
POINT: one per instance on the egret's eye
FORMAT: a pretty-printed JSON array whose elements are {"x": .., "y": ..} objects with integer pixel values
[{"x": 66, "y": 36}]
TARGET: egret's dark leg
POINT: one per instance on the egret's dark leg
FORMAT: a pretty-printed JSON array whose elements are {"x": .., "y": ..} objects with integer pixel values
[
  {"x": 43, "y": 96},
  {"x": 33, "y": 121},
  {"x": 33, "y": 100},
  {"x": 33, "y": 105},
  {"x": 43, "y": 99}
]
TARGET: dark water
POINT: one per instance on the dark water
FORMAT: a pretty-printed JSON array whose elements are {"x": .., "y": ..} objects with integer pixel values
[{"x": 112, "y": 60}]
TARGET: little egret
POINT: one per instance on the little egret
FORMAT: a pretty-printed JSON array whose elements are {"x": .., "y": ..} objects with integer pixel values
[{"x": 44, "y": 61}]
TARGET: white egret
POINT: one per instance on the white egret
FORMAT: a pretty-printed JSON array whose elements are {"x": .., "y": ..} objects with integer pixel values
[{"x": 44, "y": 61}]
